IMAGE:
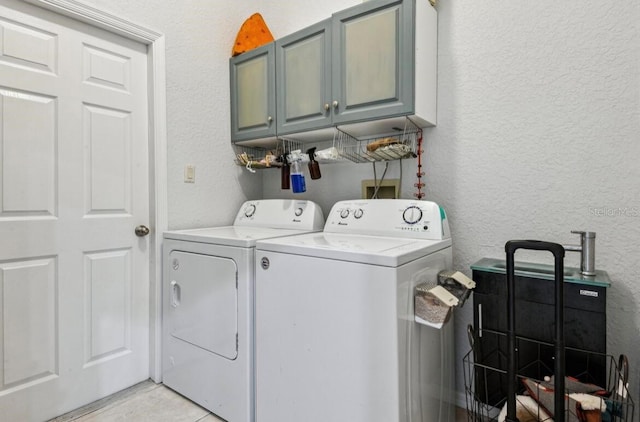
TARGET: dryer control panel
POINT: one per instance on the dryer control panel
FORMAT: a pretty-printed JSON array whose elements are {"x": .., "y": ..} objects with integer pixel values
[
  {"x": 389, "y": 217},
  {"x": 281, "y": 214}
]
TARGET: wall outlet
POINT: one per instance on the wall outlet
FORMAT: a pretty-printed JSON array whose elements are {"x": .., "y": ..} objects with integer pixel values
[{"x": 190, "y": 173}]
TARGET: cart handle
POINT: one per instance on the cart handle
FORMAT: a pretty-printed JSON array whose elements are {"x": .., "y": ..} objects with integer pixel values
[{"x": 559, "y": 365}]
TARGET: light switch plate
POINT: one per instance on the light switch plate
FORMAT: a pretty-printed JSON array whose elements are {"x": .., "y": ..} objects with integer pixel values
[{"x": 190, "y": 173}]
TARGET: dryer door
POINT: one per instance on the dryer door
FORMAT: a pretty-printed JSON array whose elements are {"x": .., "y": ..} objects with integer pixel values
[{"x": 203, "y": 302}]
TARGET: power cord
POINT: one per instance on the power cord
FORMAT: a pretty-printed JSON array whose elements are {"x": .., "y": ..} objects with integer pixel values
[{"x": 375, "y": 179}]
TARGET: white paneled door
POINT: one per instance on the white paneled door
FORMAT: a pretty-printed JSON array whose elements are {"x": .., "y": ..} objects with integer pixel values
[{"x": 74, "y": 184}]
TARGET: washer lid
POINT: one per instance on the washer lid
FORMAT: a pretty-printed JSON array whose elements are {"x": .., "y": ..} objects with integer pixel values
[
  {"x": 384, "y": 251},
  {"x": 239, "y": 236}
]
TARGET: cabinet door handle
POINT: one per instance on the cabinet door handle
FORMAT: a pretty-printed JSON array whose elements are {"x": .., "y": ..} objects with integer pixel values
[
  {"x": 269, "y": 119},
  {"x": 479, "y": 320},
  {"x": 326, "y": 107},
  {"x": 335, "y": 103}
]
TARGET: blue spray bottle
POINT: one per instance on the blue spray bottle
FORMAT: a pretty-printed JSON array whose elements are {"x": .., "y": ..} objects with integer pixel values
[{"x": 298, "y": 184}]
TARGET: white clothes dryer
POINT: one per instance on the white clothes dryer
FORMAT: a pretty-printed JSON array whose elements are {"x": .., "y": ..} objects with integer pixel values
[
  {"x": 336, "y": 338},
  {"x": 208, "y": 304}
]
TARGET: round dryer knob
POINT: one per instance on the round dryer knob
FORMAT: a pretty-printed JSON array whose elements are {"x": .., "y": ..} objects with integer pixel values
[
  {"x": 412, "y": 214},
  {"x": 250, "y": 210},
  {"x": 298, "y": 212},
  {"x": 344, "y": 213},
  {"x": 358, "y": 213}
]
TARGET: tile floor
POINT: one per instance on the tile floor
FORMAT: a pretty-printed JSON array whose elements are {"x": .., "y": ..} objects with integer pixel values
[
  {"x": 150, "y": 402},
  {"x": 144, "y": 402}
]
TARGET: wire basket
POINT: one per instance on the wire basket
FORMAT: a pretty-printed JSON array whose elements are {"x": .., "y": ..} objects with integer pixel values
[
  {"x": 403, "y": 144},
  {"x": 261, "y": 158},
  {"x": 485, "y": 379}
]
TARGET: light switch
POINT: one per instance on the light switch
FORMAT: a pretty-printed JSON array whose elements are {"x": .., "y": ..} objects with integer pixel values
[{"x": 190, "y": 173}]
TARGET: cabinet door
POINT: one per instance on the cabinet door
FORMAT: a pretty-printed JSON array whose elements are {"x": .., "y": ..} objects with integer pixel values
[
  {"x": 203, "y": 299},
  {"x": 373, "y": 62},
  {"x": 253, "y": 99},
  {"x": 303, "y": 63}
]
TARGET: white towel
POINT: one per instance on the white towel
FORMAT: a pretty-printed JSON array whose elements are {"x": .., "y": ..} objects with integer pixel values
[{"x": 527, "y": 410}]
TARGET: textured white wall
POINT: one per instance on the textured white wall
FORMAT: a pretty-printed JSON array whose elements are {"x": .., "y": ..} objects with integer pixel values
[{"x": 539, "y": 115}]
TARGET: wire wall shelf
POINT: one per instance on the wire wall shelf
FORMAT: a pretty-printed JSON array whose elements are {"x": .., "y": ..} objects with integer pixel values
[
  {"x": 255, "y": 158},
  {"x": 405, "y": 143},
  {"x": 381, "y": 148}
]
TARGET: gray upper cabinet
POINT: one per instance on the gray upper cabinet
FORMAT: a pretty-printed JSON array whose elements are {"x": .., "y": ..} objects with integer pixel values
[
  {"x": 303, "y": 79},
  {"x": 373, "y": 75},
  {"x": 253, "y": 94},
  {"x": 365, "y": 70}
]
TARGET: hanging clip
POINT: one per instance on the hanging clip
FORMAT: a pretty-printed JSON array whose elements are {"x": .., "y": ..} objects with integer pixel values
[{"x": 456, "y": 283}]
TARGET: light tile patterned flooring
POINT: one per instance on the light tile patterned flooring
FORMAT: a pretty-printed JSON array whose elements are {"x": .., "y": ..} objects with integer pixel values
[
  {"x": 144, "y": 402},
  {"x": 150, "y": 402}
]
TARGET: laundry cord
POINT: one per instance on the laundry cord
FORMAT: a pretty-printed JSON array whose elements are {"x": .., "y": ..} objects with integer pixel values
[
  {"x": 375, "y": 179},
  {"x": 400, "y": 182}
]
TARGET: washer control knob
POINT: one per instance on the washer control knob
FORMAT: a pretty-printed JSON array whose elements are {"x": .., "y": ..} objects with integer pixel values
[
  {"x": 298, "y": 212},
  {"x": 412, "y": 214},
  {"x": 358, "y": 213},
  {"x": 344, "y": 213},
  {"x": 250, "y": 210}
]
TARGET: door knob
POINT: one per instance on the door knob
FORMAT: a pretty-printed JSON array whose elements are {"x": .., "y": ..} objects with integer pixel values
[{"x": 142, "y": 231}]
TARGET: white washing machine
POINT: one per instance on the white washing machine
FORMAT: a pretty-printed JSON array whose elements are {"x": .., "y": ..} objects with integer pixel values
[
  {"x": 335, "y": 333},
  {"x": 208, "y": 304}
]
